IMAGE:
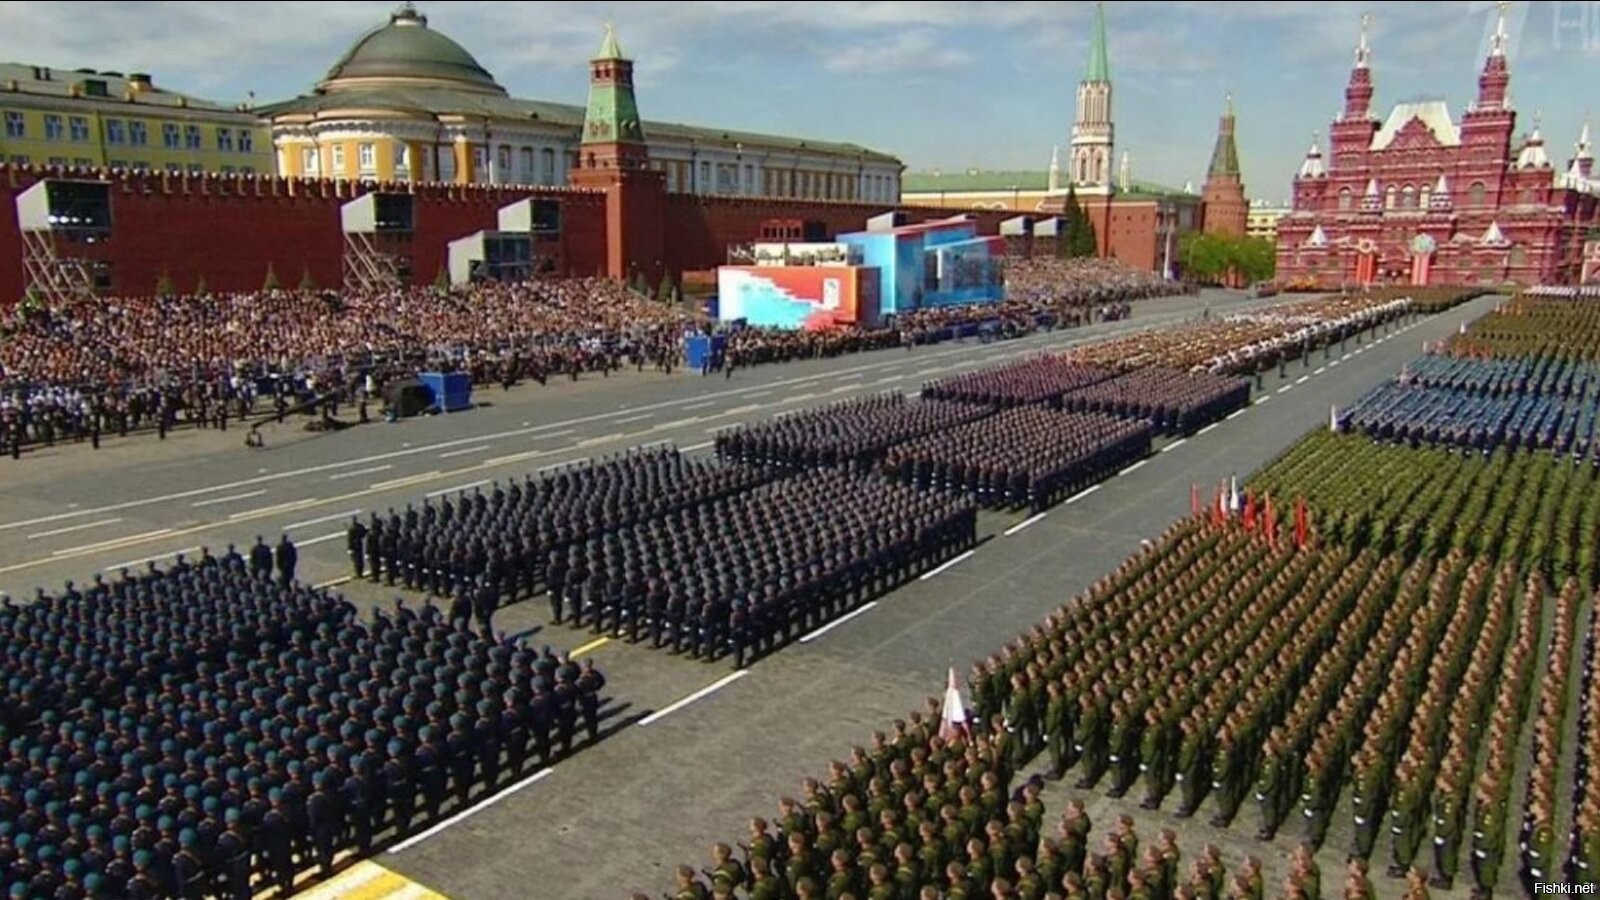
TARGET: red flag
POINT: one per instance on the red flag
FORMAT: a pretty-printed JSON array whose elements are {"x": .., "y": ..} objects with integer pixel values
[
  {"x": 1302, "y": 525},
  {"x": 1249, "y": 511},
  {"x": 1218, "y": 509}
]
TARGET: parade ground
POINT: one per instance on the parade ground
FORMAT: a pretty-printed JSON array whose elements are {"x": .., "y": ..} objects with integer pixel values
[{"x": 693, "y": 749}]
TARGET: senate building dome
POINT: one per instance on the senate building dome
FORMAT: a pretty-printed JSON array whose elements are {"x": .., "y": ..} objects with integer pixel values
[{"x": 407, "y": 51}]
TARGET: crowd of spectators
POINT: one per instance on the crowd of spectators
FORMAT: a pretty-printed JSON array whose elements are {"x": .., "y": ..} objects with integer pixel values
[{"x": 111, "y": 365}]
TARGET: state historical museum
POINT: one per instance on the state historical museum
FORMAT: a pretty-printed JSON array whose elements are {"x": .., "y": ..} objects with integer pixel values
[{"x": 1422, "y": 199}]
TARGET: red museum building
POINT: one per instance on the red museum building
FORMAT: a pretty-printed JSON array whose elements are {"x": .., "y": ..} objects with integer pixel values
[{"x": 1420, "y": 198}]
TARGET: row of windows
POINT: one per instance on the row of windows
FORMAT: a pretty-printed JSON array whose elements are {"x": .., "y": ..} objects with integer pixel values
[
  {"x": 137, "y": 165},
  {"x": 133, "y": 133},
  {"x": 1409, "y": 197}
]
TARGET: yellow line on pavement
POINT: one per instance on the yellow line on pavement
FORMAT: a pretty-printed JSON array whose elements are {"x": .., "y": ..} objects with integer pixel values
[
  {"x": 368, "y": 881},
  {"x": 590, "y": 647}
]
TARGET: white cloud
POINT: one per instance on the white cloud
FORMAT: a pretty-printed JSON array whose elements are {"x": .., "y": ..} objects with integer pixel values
[{"x": 917, "y": 51}]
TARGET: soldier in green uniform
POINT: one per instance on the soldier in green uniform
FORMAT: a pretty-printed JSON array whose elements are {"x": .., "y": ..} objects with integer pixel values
[
  {"x": 1488, "y": 843},
  {"x": 1357, "y": 885},
  {"x": 1091, "y": 745},
  {"x": 1192, "y": 770},
  {"x": 1405, "y": 824},
  {"x": 1271, "y": 786},
  {"x": 844, "y": 877},
  {"x": 1367, "y": 801},
  {"x": 688, "y": 887},
  {"x": 881, "y": 886},
  {"x": 763, "y": 886},
  {"x": 1155, "y": 752},
  {"x": 1057, "y": 732},
  {"x": 1228, "y": 778},
  {"x": 1446, "y": 838}
]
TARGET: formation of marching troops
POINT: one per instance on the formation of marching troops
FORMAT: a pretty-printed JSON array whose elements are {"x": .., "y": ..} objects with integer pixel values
[
  {"x": 1040, "y": 379},
  {"x": 486, "y": 548},
  {"x": 744, "y": 572},
  {"x": 208, "y": 729},
  {"x": 1292, "y": 676},
  {"x": 1543, "y": 375},
  {"x": 1021, "y": 457},
  {"x": 920, "y": 816},
  {"x": 1175, "y": 402},
  {"x": 1483, "y": 423},
  {"x": 853, "y": 433}
]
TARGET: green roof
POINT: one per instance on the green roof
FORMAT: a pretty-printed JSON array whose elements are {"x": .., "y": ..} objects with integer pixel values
[
  {"x": 1225, "y": 155},
  {"x": 1099, "y": 69},
  {"x": 473, "y": 104},
  {"x": 609, "y": 48},
  {"x": 407, "y": 48},
  {"x": 976, "y": 181}
]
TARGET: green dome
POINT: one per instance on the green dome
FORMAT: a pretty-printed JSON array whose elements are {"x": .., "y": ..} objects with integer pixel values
[{"x": 407, "y": 48}]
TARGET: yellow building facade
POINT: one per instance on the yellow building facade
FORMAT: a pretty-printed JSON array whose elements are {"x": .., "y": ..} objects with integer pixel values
[
  {"x": 87, "y": 119},
  {"x": 407, "y": 103}
]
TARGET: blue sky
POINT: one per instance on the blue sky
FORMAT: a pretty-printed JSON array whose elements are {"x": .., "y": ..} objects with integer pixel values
[{"x": 943, "y": 85}]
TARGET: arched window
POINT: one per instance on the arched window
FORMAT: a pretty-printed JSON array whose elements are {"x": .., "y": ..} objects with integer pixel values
[
  {"x": 1083, "y": 169},
  {"x": 1388, "y": 197},
  {"x": 1345, "y": 198},
  {"x": 1408, "y": 197},
  {"x": 1518, "y": 257},
  {"x": 1425, "y": 197},
  {"x": 1476, "y": 193},
  {"x": 547, "y": 166}
]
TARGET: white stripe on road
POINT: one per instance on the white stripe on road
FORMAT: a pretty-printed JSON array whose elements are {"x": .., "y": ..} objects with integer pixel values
[
  {"x": 1174, "y": 445},
  {"x": 229, "y": 499},
  {"x": 1208, "y": 429},
  {"x": 1261, "y": 400},
  {"x": 701, "y": 694},
  {"x": 321, "y": 519},
  {"x": 700, "y": 446},
  {"x": 947, "y": 566},
  {"x": 602, "y": 439},
  {"x": 552, "y": 434},
  {"x": 1236, "y": 413},
  {"x": 320, "y": 540},
  {"x": 720, "y": 428},
  {"x": 1135, "y": 467},
  {"x": 114, "y": 542},
  {"x": 753, "y": 396},
  {"x": 1082, "y": 494},
  {"x": 451, "y": 490},
  {"x": 1024, "y": 524},
  {"x": 139, "y": 562},
  {"x": 1320, "y": 370},
  {"x": 71, "y": 528},
  {"x": 836, "y": 623},
  {"x": 402, "y": 482},
  {"x": 463, "y": 452},
  {"x": 1302, "y": 379},
  {"x": 701, "y": 405},
  {"x": 371, "y": 470},
  {"x": 280, "y": 507},
  {"x": 335, "y": 582},
  {"x": 1286, "y": 388},
  {"x": 418, "y": 838},
  {"x": 1335, "y": 363},
  {"x": 639, "y": 418}
]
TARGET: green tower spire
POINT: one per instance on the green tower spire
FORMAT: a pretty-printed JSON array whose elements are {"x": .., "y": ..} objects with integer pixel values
[
  {"x": 1225, "y": 155},
  {"x": 1099, "y": 69},
  {"x": 612, "y": 115}
]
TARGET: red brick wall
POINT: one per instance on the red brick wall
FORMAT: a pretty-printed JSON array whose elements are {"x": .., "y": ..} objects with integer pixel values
[{"x": 229, "y": 230}]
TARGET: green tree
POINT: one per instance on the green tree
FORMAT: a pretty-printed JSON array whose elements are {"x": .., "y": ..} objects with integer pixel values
[
  {"x": 271, "y": 282},
  {"x": 1080, "y": 238},
  {"x": 164, "y": 285},
  {"x": 307, "y": 283}
]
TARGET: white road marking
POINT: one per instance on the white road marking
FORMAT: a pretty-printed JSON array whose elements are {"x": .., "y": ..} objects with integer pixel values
[
  {"x": 359, "y": 472},
  {"x": 451, "y": 490},
  {"x": 720, "y": 428},
  {"x": 320, "y": 540},
  {"x": 1024, "y": 523},
  {"x": 946, "y": 566},
  {"x": 701, "y": 405},
  {"x": 639, "y": 418},
  {"x": 555, "y": 434},
  {"x": 229, "y": 499},
  {"x": 278, "y": 507},
  {"x": 421, "y": 836},
  {"x": 335, "y": 582},
  {"x": 1174, "y": 445},
  {"x": 114, "y": 542},
  {"x": 700, "y": 446},
  {"x": 754, "y": 395},
  {"x": 1320, "y": 370},
  {"x": 806, "y": 639},
  {"x": 1208, "y": 429},
  {"x": 602, "y": 439},
  {"x": 157, "y": 558},
  {"x": 1302, "y": 379},
  {"x": 1286, "y": 389},
  {"x": 1135, "y": 467},
  {"x": 321, "y": 519},
  {"x": 1082, "y": 494},
  {"x": 1237, "y": 413},
  {"x": 701, "y": 694},
  {"x": 463, "y": 452},
  {"x": 675, "y": 423},
  {"x": 71, "y": 528},
  {"x": 402, "y": 482},
  {"x": 1262, "y": 400}
]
